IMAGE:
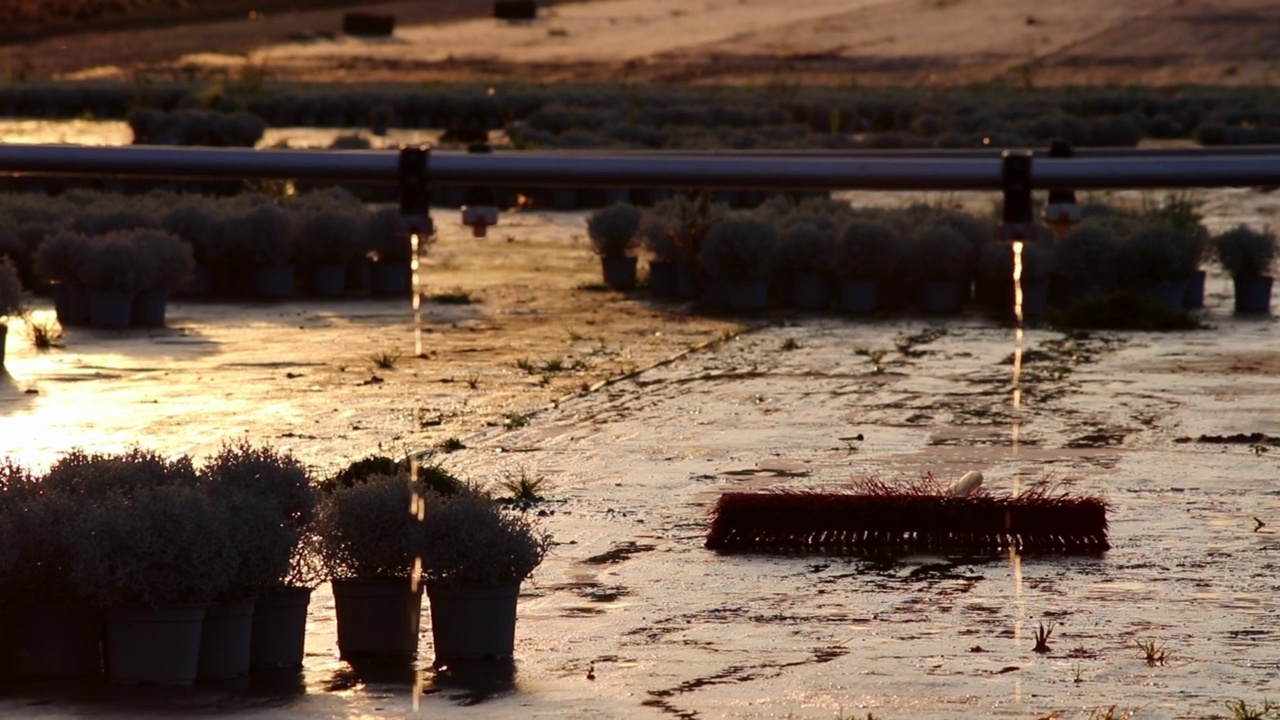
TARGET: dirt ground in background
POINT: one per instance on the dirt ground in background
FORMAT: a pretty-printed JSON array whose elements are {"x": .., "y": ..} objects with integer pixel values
[{"x": 1027, "y": 42}]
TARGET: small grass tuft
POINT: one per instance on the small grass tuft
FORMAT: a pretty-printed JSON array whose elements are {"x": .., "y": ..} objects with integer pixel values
[
  {"x": 1153, "y": 652},
  {"x": 1043, "y": 632},
  {"x": 43, "y": 334},
  {"x": 473, "y": 382},
  {"x": 790, "y": 344},
  {"x": 1110, "y": 713},
  {"x": 1240, "y": 710},
  {"x": 452, "y": 444},
  {"x": 384, "y": 360},
  {"x": 524, "y": 489}
]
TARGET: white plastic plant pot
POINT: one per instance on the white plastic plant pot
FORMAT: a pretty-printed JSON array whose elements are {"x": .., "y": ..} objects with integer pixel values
[
  {"x": 479, "y": 217},
  {"x": 1062, "y": 213}
]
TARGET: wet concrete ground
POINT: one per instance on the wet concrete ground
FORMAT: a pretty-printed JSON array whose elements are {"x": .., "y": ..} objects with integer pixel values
[{"x": 630, "y": 616}]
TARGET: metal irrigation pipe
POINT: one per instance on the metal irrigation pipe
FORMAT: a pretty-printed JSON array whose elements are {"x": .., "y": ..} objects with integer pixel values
[{"x": 847, "y": 171}]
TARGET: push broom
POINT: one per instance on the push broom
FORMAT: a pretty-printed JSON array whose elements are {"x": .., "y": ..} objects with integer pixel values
[{"x": 874, "y": 517}]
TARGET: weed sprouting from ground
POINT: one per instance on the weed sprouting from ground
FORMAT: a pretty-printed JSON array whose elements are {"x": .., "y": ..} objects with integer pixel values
[
  {"x": 1153, "y": 652},
  {"x": 515, "y": 421},
  {"x": 554, "y": 365},
  {"x": 1110, "y": 713},
  {"x": 473, "y": 382},
  {"x": 452, "y": 444},
  {"x": 1240, "y": 710},
  {"x": 43, "y": 334},
  {"x": 384, "y": 360},
  {"x": 1043, "y": 633},
  {"x": 790, "y": 344},
  {"x": 454, "y": 297},
  {"x": 524, "y": 489}
]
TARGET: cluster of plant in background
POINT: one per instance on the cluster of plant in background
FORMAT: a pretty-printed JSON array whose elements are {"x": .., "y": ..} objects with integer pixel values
[
  {"x": 198, "y": 244},
  {"x": 627, "y": 116},
  {"x": 820, "y": 254}
]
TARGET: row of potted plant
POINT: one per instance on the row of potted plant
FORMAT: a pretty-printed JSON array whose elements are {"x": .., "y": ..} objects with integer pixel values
[
  {"x": 196, "y": 127},
  {"x": 1217, "y": 115},
  {"x": 118, "y": 279},
  {"x": 819, "y": 254},
  {"x": 163, "y": 243},
  {"x": 164, "y": 572}
]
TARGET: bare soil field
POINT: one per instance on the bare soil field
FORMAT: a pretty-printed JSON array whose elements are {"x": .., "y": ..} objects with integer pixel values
[{"x": 1146, "y": 42}]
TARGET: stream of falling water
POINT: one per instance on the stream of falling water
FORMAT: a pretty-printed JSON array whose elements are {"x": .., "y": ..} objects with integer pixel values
[
  {"x": 1015, "y": 560},
  {"x": 417, "y": 503}
]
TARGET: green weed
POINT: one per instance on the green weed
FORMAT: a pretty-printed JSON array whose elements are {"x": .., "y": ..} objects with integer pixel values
[
  {"x": 384, "y": 360},
  {"x": 43, "y": 334},
  {"x": 1240, "y": 710},
  {"x": 524, "y": 488},
  {"x": 1043, "y": 632},
  {"x": 452, "y": 444},
  {"x": 1153, "y": 652}
]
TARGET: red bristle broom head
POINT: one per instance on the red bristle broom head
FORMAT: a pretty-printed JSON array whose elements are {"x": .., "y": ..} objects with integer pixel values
[{"x": 875, "y": 517}]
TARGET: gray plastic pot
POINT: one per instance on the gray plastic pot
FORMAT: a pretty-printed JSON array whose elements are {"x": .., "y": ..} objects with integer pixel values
[
  {"x": 377, "y": 618},
  {"x": 224, "y": 640},
  {"x": 473, "y": 623},
  {"x": 278, "y": 638},
  {"x": 154, "y": 646}
]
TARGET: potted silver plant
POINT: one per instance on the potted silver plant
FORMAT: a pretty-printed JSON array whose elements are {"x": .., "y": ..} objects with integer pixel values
[
  {"x": 166, "y": 263},
  {"x": 868, "y": 256},
  {"x": 736, "y": 260},
  {"x": 475, "y": 554},
  {"x": 57, "y": 261},
  {"x": 150, "y": 547},
  {"x": 391, "y": 254},
  {"x": 657, "y": 234},
  {"x": 1248, "y": 255},
  {"x": 1085, "y": 264},
  {"x": 112, "y": 271},
  {"x": 1153, "y": 264},
  {"x": 325, "y": 242},
  {"x": 807, "y": 251},
  {"x": 50, "y": 630},
  {"x": 613, "y": 232},
  {"x": 271, "y": 499},
  {"x": 369, "y": 541},
  {"x": 940, "y": 260}
]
